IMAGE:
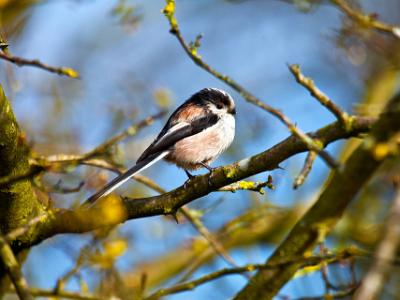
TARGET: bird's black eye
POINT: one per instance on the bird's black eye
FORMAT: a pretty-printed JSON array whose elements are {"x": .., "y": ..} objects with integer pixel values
[{"x": 219, "y": 106}]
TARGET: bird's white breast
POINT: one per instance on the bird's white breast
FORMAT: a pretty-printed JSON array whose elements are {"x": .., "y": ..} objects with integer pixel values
[{"x": 205, "y": 146}]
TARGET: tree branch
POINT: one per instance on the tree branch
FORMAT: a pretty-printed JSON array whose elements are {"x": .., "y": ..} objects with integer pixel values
[
  {"x": 18, "y": 203},
  {"x": 112, "y": 210},
  {"x": 366, "y": 20},
  {"x": 304, "y": 261},
  {"x": 191, "y": 51},
  {"x": 324, "y": 214},
  {"x": 14, "y": 271},
  {"x": 322, "y": 98},
  {"x": 19, "y": 61},
  {"x": 92, "y": 157}
]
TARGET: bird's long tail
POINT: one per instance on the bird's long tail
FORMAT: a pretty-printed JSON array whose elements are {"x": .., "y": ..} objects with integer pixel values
[{"x": 117, "y": 181}]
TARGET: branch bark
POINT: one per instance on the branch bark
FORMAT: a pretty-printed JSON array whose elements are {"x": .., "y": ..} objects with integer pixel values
[
  {"x": 324, "y": 214},
  {"x": 112, "y": 210},
  {"x": 18, "y": 203}
]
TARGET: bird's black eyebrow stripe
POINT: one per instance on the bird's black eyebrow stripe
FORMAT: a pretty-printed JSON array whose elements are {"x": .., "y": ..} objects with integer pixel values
[{"x": 193, "y": 128}]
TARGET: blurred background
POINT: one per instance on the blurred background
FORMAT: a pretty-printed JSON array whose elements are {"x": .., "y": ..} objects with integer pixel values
[{"x": 131, "y": 67}]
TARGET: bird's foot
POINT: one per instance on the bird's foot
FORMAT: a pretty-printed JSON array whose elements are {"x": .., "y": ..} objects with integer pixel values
[
  {"x": 190, "y": 176},
  {"x": 210, "y": 175}
]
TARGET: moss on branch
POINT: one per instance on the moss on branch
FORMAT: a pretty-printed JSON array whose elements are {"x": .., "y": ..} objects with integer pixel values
[{"x": 18, "y": 203}]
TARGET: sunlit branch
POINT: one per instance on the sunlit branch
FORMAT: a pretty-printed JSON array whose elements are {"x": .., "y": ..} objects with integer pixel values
[
  {"x": 304, "y": 261},
  {"x": 91, "y": 157},
  {"x": 369, "y": 20},
  {"x": 322, "y": 98},
  {"x": 191, "y": 51},
  {"x": 107, "y": 212},
  {"x": 19, "y": 61},
  {"x": 321, "y": 218},
  {"x": 202, "y": 229}
]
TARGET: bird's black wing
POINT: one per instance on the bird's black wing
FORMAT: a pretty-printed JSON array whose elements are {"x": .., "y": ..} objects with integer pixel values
[{"x": 177, "y": 132}]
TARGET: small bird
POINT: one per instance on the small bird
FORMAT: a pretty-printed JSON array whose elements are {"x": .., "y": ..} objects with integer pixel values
[{"x": 195, "y": 134}]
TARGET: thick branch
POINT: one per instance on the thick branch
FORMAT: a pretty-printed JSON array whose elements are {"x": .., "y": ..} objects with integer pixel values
[
  {"x": 112, "y": 211},
  {"x": 18, "y": 202},
  {"x": 324, "y": 214}
]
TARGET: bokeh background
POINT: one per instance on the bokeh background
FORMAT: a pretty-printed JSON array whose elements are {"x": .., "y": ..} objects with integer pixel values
[{"x": 132, "y": 67}]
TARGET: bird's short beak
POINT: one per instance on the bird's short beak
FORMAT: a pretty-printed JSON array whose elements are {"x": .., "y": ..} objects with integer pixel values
[{"x": 232, "y": 111}]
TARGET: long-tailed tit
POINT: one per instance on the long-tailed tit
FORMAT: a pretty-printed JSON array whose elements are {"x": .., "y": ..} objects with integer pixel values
[{"x": 196, "y": 133}]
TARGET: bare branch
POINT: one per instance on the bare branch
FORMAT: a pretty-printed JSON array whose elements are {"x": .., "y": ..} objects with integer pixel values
[
  {"x": 14, "y": 271},
  {"x": 129, "y": 132},
  {"x": 58, "y": 188},
  {"x": 313, "y": 227},
  {"x": 191, "y": 51},
  {"x": 369, "y": 21},
  {"x": 304, "y": 261},
  {"x": 112, "y": 211},
  {"x": 91, "y": 157},
  {"x": 311, "y": 156},
  {"x": 202, "y": 229},
  {"x": 322, "y": 98},
  {"x": 19, "y": 61}
]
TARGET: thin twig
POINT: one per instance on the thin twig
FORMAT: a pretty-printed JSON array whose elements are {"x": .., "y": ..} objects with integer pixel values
[
  {"x": 191, "y": 51},
  {"x": 194, "y": 220},
  {"x": 338, "y": 295},
  {"x": 374, "y": 281},
  {"x": 55, "y": 162},
  {"x": 322, "y": 98},
  {"x": 311, "y": 156},
  {"x": 202, "y": 229},
  {"x": 90, "y": 158},
  {"x": 19, "y": 61},
  {"x": 309, "y": 261},
  {"x": 58, "y": 188},
  {"x": 244, "y": 185},
  {"x": 65, "y": 294},
  {"x": 130, "y": 131},
  {"x": 14, "y": 271},
  {"x": 366, "y": 20}
]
